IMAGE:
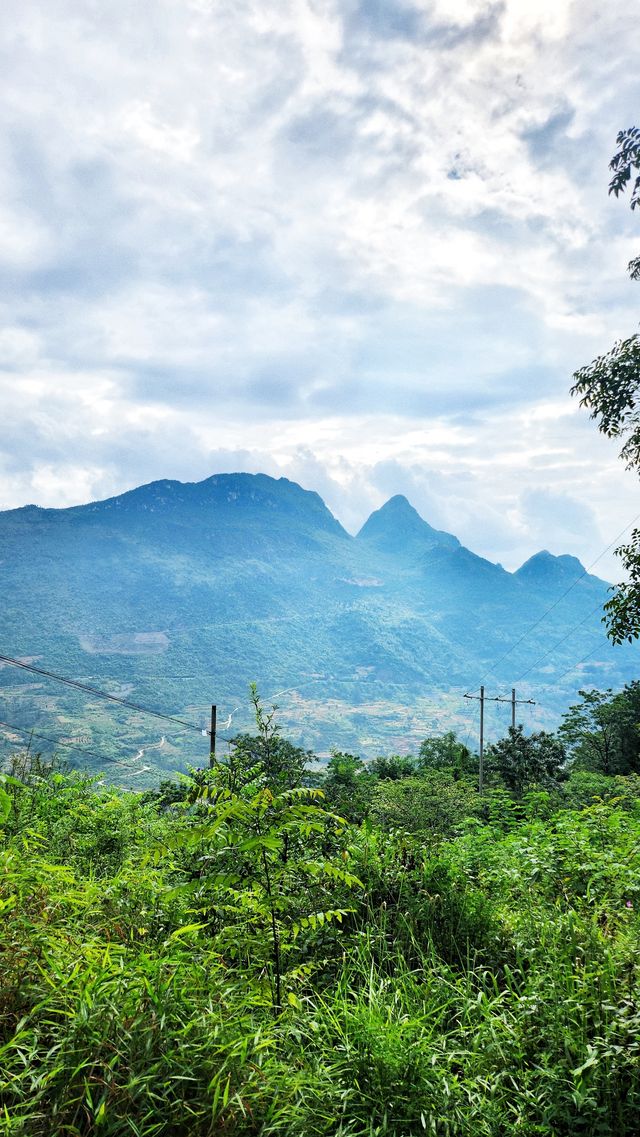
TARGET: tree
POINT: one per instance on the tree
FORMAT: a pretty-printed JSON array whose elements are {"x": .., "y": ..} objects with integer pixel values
[
  {"x": 348, "y": 786},
  {"x": 591, "y": 732},
  {"x": 445, "y": 752},
  {"x": 610, "y": 388},
  {"x": 269, "y": 862},
  {"x": 393, "y": 767},
  {"x": 602, "y": 733},
  {"x": 629, "y": 701},
  {"x": 431, "y": 805},
  {"x": 282, "y": 765},
  {"x": 523, "y": 761}
]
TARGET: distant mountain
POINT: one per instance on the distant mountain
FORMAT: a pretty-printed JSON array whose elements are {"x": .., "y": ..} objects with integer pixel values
[
  {"x": 253, "y": 498},
  {"x": 178, "y": 595},
  {"x": 543, "y": 569},
  {"x": 398, "y": 528}
]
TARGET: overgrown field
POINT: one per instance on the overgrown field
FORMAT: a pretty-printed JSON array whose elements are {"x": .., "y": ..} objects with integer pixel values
[{"x": 240, "y": 961}]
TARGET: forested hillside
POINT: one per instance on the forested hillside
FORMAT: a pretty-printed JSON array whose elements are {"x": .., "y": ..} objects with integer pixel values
[{"x": 176, "y": 596}]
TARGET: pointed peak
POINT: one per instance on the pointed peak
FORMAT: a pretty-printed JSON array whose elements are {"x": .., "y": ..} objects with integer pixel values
[
  {"x": 400, "y": 504},
  {"x": 398, "y": 499},
  {"x": 397, "y": 507},
  {"x": 397, "y": 526}
]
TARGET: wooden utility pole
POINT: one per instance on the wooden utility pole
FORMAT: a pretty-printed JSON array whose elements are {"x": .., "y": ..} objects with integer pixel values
[{"x": 212, "y": 735}]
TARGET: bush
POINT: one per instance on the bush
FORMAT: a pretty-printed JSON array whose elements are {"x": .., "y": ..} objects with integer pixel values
[{"x": 431, "y": 806}]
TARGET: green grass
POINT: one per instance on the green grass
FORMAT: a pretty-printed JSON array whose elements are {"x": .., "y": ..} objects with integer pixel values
[{"x": 481, "y": 986}]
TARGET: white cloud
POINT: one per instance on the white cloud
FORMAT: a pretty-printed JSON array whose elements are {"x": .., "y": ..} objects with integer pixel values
[{"x": 364, "y": 245}]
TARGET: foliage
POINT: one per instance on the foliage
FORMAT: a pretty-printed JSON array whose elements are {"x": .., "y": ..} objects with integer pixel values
[
  {"x": 432, "y": 805},
  {"x": 584, "y": 788},
  {"x": 268, "y": 872},
  {"x": 609, "y": 388},
  {"x": 471, "y": 972},
  {"x": 282, "y": 765},
  {"x": 266, "y": 856},
  {"x": 447, "y": 752},
  {"x": 624, "y": 162},
  {"x": 88, "y": 825},
  {"x": 348, "y": 786},
  {"x": 392, "y": 767},
  {"x": 602, "y": 733},
  {"x": 522, "y": 761}
]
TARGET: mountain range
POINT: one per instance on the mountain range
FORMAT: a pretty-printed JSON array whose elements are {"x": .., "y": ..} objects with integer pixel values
[{"x": 179, "y": 595}]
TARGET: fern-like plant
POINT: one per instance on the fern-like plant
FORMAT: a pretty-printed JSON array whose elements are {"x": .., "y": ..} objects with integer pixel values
[{"x": 269, "y": 865}]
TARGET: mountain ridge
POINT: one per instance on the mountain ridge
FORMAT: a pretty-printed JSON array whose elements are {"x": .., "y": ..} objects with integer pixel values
[
  {"x": 396, "y": 520},
  {"x": 236, "y": 488},
  {"x": 184, "y": 593}
]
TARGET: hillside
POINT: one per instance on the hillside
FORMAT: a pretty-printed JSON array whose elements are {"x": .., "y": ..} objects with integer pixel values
[{"x": 179, "y": 595}]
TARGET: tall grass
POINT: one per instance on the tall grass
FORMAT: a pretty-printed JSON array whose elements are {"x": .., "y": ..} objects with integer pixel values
[{"x": 485, "y": 988}]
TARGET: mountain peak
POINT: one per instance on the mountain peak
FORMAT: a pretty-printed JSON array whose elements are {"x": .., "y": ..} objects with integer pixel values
[
  {"x": 543, "y": 567},
  {"x": 397, "y": 526},
  {"x": 400, "y": 504},
  {"x": 249, "y": 495},
  {"x": 246, "y": 499}
]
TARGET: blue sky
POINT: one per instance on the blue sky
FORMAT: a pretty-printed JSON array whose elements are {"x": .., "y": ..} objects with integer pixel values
[{"x": 362, "y": 244}]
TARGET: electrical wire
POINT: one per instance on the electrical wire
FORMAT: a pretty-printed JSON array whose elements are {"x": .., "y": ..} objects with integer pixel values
[
  {"x": 578, "y": 664},
  {"x": 86, "y": 689},
  {"x": 469, "y": 711},
  {"x": 559, "y": 643},
  {"x": 55, "y": 742},
  {"x": 551, "y": 607}
]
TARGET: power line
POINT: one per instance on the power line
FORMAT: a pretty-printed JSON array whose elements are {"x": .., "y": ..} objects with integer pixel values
[
  {"x": 551, "y": 607},
  {"x": 578, "y": 664},
  {"x": 84, "y": 687},
  {"x": 56, "y": 742},
  {"x": 559, "y": 643}
]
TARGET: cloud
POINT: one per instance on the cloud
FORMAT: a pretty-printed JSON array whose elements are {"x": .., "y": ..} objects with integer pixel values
[
  {"x": 362, "y": 244},
  {"x": 559, "y": 520}
]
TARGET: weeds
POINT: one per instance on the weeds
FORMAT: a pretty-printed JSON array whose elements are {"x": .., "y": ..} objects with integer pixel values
[{"x": 481, "y": 986}]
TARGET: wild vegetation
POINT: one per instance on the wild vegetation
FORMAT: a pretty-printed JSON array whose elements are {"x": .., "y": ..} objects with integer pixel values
[
  {"x": 257, "y": 949},
  {"x": 609, "y": 388}
]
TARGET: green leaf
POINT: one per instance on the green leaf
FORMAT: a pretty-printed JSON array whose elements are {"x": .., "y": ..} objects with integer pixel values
[
  {"x": 186, "y": 930},
  {"x": 586, "y": 1065},
  {"x": 5, "y": 805}
]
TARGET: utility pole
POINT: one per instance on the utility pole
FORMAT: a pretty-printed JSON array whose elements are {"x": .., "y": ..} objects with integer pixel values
[
  {"x": 495, "y": 699},
  {"x": 212, "y": 735},
  {"x": 514, "y": 703},
  {"x": 482, "y": 698},
  {"x": 481, "y": 763}
]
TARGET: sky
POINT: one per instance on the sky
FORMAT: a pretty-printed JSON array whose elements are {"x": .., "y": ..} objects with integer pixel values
[{"x": 360, "y": 244}]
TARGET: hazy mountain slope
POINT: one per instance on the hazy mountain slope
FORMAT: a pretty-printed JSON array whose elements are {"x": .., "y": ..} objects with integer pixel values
[
  {"x": 398, "y": 528},
  {"x": 180, "y": 594}
]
